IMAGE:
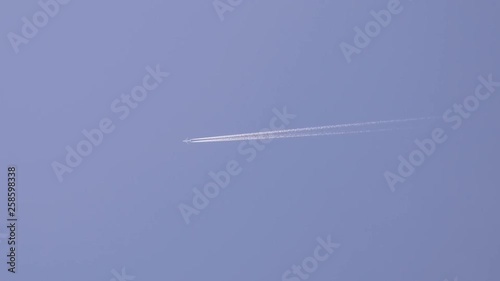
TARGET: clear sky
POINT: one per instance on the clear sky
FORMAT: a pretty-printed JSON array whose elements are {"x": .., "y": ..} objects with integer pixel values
[{"x": 119, "y": 207}]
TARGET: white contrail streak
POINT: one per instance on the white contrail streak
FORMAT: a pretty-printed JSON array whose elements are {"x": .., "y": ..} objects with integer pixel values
[
  {"x": 302, "y": 132},
  {"x": 289, "y": 135}
]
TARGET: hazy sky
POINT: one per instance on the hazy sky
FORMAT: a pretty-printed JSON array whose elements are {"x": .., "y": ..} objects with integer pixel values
[{"x": 118, "y": 208}]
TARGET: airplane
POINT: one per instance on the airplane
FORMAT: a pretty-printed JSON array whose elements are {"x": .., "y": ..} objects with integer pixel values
[{"x": 187, "y": 140}]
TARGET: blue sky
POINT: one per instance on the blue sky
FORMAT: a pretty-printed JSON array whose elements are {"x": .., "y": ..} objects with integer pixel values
[{"x": 119, "y": 208}]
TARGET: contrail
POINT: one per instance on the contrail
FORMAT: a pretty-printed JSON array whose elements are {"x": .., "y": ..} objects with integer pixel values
[
  {"x": 290, "y": 135},
  {"x": 304, "y": 132}
]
